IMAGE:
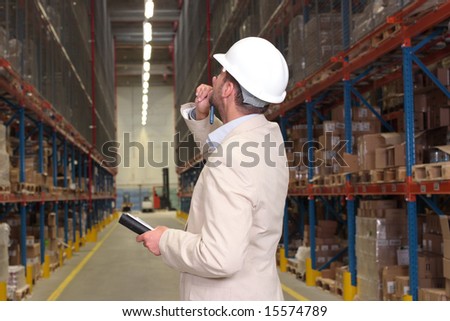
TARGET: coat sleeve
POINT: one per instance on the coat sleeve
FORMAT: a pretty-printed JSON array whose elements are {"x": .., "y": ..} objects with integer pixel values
[
  {"x": 220, "y": 249},
  {"x": 200, "y": 128}
]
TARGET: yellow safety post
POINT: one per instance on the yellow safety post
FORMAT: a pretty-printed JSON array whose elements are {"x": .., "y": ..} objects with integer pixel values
[
  {"x": 407, "y": 297},
  {"x": 94, "y": 233},
  {"x": 3, "y": 293},
  {"x": 46, "y": 267},
  {"x": 61, "y": 258},
  {"x": 311, "y": 274},
  {"x": 29, "y": 278},
  {"x": 69, "y": 250},
  {"x": 349, "y": 291},
  {"x": 77, "y": 241},
  {"x": 88, "y": 235},
  {"x": 83, "y": 240},
  {"x": 283, "y": 260}
]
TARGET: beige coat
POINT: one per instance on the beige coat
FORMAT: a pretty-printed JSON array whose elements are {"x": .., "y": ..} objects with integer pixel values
[{"x": 235, "y": 221}]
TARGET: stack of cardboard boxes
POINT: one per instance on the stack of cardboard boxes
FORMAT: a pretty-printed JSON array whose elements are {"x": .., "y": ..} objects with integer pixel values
[
  {"x": 327, "y": 244},
  {"x": 4, "y": 160},
  {"x": 445, "y": 225},
  {"x": 4, "y": 243},
  {"x": 380, "y": 231},
  {"x": 16, "y": 281}
]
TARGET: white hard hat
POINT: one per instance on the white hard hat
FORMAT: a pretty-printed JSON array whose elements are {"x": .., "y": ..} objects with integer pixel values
[{"x": 258, "y": 67}]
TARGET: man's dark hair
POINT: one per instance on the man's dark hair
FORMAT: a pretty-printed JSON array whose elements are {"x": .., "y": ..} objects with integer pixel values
[{"x": 244, "y": 108}]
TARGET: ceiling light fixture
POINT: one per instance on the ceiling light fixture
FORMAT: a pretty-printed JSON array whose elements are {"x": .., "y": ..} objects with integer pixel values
[
  {"x": 147, "y": 31},
  {"x": 146, "y": 66},
  {"x": 149, "y": 8},
  {"x": 147, "y": 51}
]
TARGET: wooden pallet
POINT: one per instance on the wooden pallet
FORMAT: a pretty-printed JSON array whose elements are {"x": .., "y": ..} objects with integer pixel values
[
  {"x": 22, "y": 293},
  {"x": 5, "y": 189},
  {"x": 25, "y": 188},
  {"x": 385, "y": 34},
  {"x": 431, "y": 172},
  {"x": 339, "y": 290},
  {"x": 364, "y": 177},
  {"x": 293, "y": 267},
  {"x": 326, "y": 284},
  {"x": 53, "y": 266}
]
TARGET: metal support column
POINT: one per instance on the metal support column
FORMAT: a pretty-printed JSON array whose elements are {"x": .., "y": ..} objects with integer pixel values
[
  {"x": 55, "y": 160},
  {"x": 66, "y": 222},
  {"x": 22, "y": 145},
  {"x": 311, "y": 200},
  {"x": 410, "y": 161},
  {"x": 23, "y": 233},
  {"x": 41, "y": 229},
  {"x": 65, "y": 163},
  {"x": 56, "y": 209},
  {"x": 41, "y": 148},
  {"x": 351, "y": 220}
]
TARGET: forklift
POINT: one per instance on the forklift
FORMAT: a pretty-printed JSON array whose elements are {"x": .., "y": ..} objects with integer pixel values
[{"x": 126, "y": 203}]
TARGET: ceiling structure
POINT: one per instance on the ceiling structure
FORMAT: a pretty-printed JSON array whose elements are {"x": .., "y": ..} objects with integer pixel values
[{"x": 127, "y": 17}]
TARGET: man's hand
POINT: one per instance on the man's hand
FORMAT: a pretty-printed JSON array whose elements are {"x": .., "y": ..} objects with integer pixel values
[
  {"x": 202, "y": 95},
  {"x": 151, "y": 239}
]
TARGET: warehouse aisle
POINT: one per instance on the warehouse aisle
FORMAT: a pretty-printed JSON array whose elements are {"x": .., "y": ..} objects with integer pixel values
[{"x": 116, "y": 268}]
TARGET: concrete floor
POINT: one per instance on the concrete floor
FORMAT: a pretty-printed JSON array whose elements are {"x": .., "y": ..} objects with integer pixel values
[{"x": 116, "y": 268}]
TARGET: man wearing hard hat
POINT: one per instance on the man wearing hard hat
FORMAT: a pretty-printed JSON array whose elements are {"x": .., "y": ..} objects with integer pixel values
[{"x": 227, "y": 251}]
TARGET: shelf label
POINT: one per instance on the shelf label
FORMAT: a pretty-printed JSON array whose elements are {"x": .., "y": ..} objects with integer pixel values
[
  {"x": 394, "y": 188},
  {"x": 383, "y": 189},
  {"x": 436, "y": 186},
  {"x": 423, "y": 188}
]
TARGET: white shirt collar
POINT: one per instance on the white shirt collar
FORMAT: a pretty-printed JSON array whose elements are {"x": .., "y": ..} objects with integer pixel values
[{"x": 217, "y": 136}]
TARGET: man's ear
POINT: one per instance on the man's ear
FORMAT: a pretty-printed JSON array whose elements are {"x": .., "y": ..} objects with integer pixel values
[{"x": 227, "y": 89}]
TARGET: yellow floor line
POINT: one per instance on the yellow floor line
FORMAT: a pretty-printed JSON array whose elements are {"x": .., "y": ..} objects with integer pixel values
[
  {"x": 54, "y": 296},
  {"x": 292, "y": 293}
]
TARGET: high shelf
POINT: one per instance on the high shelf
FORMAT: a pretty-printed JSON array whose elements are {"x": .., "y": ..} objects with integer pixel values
[
  {"x": 55, "y": 114},
  {"x": 350, "y": 69}
]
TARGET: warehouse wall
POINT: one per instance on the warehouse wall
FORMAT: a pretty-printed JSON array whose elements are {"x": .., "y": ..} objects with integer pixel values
[{"x": 141, "y": 167}]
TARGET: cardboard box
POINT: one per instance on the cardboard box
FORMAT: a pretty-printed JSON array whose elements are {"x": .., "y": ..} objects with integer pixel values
[
  {"x": 447, "y": 287},
  {"x": 446, "y": 267},
  {"x": 400, "y": 155},
  {"x": 432, "y": 295},
  {"x": 445, "y": 229},
  {"x": 388, "y": 279},
  {"x": 14, "y": 254},
  {"x": 51, "y": 219},
  {"x": 34, "y": 250},
  {"x": 432, "y": 243},
  {"x": 430, "y": 266},
  {"x": 30, "y": 240},
  {"x": 401, "y": 286},
  {"x": 368, "y": 144},
  {"x": 443, "y": 75},
  {"x": 52, "y": 232},
  {"x": 351, "y": 162}
]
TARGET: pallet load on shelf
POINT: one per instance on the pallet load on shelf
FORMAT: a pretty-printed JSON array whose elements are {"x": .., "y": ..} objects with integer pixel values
[
  {"x": 445, "y": 228},
  {"x": 4, "y": 262},
  {"x": 52, "y": 247},
  {"x": 296, "y": 51},
  {"x": 367, "y": 18},
  {"x": 327, "y": 243},
  {"x": 323, "y": 39},
  {"x": 5, "y": 185},
  {"x": 34, "y": 257},
  {"x": 380, "y": 231},
  {"x": 434, "y": 267},
  {"x": 17, "y": 287}
]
